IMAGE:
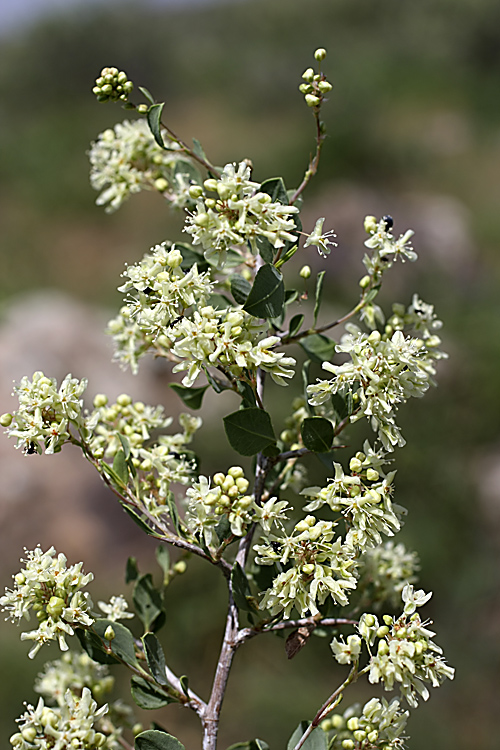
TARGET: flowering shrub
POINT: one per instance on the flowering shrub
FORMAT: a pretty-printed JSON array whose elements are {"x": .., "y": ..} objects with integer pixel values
[{"x": 294, "y": 557}]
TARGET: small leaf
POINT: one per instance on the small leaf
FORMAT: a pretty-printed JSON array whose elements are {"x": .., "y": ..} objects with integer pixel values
[
  {"x": 120, "y": 467},
  {"x": 295, "y": 324},
  {"x": 155, "y": 657},
  {"x": 146, "y": 94},
  {"x": 241, "y": 589},
  {"x": 198, "y": 149},
  {"x": 271, "y": 451},
  {"x": 131, "y": 570},
  {"x": 217, "y": 385},
  {"x": 290, "y": 296},
  {"x": 246, "y": 393},
  {"x": 125, "y": 445},
  {"x": 173, "y": 512},
  {"x": 154, "y": 122},
  {"x": 134, "y": 515},
  {"x": 192, "y": 397},
  {"x": 372, "y": 294},
  {"x": 267, "y": 295},
  {"x": 153, "y": 739},
  {"x": 219, "y": 301},
  {"x": 318, "y": 295},
  {"x": 190, "y": 257},
  {"x": 115, "y": 478},
  {"x": 266, "y": 250},
  {"x": 275, "y": 187},
  {"x": 340, "y": 406},
  {"x": 147, "y": 600},
  {"x": 223, "y": 529},
  {"x": 240, "y": 288},
  {"x": 318, "y": 347},
  {"x": 147, "y": 696},
  {"x": 317, "y": 434},
  {"x": 163, "y": 560},
  {"x": 184, "y": 685},
  {"x": 249, "y": 430},
  {"x": 316, "y": 740}
]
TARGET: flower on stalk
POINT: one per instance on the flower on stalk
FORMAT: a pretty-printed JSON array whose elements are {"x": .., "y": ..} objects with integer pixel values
[
  {"x": 385, "y": 570},
  {"x": 321, "y": 239},
  {"x": 116, "y": 609},
  {"x": 73, "y": 672},
  {"x": 238, "y": 216},
  {"x": 378, "y": 724},
  {"x": 52, "y": 590}
]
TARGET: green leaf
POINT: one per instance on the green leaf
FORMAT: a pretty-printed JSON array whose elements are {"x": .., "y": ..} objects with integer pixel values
[
  {"x": 317, "y": 434},
  {"x": 271, "y": 451},
  {"x": 249, "y": 430},
  {"x": 318, "y": 295},
  {"x": 340, "y": 406},
  {"x": 147, "y": 696},
  {"x": 163, "y": 560},
  {"x": 192, "y": 397},
  {"x": 153, "y": 739},
  {"x": 122, "y": 644},
  {"x": 266, "y": 250},
  {"x": 134, "y": 515},
  {"x": 290, "y": 296},
  {"x": 131, "y": 570},
  {"x": 372, "y": 294},
  {"x": 223, "y": 529},
  {"x": 275, "y": 187},
  {"x": 120, "y": 467},
  {"x": 147, "y": 600},
  {"x": 154, "y": 122},
  {"x": 217, "y": 385},
  {"x": 241, "y": 589},
  {"x": 219, "y": 301},
  {"x": 316, "y": 740},
  {"x": 250, "y": 745},
  {"x": 173, "y": 513},
  {"x": 115, "y": 478},
  {"x": 295, "y": 324},
  {"x": 246, "y": 393},
  {"x": 198, "y": 149},
  {"x": 240, "y": 288},
  {"x": 146, "y": 94},
  {"x": 184, "y": 685},
  {"x": 155, "y": 657},
  {"x": 92, "y": 644},
  {"x": 125, "y": 445},
  {"x": 267, "y": 295},
  {"x": 318, "y": 347}
]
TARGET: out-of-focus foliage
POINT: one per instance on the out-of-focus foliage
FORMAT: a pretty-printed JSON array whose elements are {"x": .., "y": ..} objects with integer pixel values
[{"x": 415, "y": 110}]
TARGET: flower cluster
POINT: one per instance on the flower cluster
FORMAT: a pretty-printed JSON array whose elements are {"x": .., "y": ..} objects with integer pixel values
[
  {"x": 69, "y": 725},
  {"x": 130, "y": 423},
  {"x": 315, "y": 85},
  {"x": 378, "y": 724},
  {"x": 52, "y": 590},
  {"x": 73, "y": 671},
  {"x": 317, "y": 567},
  {"x": 116, "y": 609},
  {"x": 112, "y": 85},
  {"x": 239, "y": 215},
  {"x": 385, "y": 249},
  {"x": 381, "y": 373},
  {"x": 406, "y": 654},
  {"x": 229, "y": 339},
  {"x": 207, "y": 506},
  {"x": 126, "y": 159},
  {"x": 45, "y": 413},
  {"x": 385, "y": 570}
]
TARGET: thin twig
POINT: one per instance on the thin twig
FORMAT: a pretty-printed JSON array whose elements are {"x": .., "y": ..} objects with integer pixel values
[
  {"x": 246, "y": 634},
  {"x": 314, "y": 162}
]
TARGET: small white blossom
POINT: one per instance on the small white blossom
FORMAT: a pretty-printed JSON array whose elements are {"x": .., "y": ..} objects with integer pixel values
[
  {"x": 321, "y": 239},
  {"x": 116, "y": 609}
]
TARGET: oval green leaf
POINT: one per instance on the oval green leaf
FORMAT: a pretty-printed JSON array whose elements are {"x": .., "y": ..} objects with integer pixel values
[
  {"x": 153, "y": 739},
  {"x": 317, "y": 434},
  {"x": 267, "y": 295},
  {"x": 249, "y": 430}
]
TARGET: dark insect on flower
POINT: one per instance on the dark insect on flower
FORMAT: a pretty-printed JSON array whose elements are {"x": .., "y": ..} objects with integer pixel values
[
  {"x": 29, "y": 448},
  {"x": 174, "y": 322},
  {"x": 389, "y": 222},
  {"x": 276, "y": 546},
  {"x": 148, "y": 290}
]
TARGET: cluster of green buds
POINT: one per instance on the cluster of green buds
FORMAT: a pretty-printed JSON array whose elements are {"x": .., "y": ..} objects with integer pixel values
[
  {"x": 233, "y": 486},
  {"x": 315, "y": 85},
  {"x": 291, "y": 434},
  {"x": 112, "y": 86},
  {"x": 378, "y": 724}
]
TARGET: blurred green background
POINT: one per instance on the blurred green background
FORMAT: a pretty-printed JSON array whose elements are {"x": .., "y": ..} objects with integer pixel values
[{"x": 414, "y": 128}]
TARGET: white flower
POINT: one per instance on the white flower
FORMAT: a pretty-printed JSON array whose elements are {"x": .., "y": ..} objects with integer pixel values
[
  {"x": 321, "y": 239},
  {"x": 116, "y": 609}
]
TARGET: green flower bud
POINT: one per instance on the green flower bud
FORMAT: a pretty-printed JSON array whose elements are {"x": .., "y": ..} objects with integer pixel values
[
  {"x": 55, "y": 606},
  {"x": 372, "y": 736},
  {"x": 242, "y": 484},
  {"x": 326, "y": 725},
  {"x": 370, "y": 224},
  {"x": 338, "y": 721},
  {"x": 109, "y": 633},
  {"x": 201, "y": 220},
  {"x": 305, "y": 272},
  {"x": 20, "y": 578},
  {"x": 161, "y": 184},
  {"x": 99, "y": 739},
  {"x": 364, "y": 282},
  {"x": 233, "y": 492},
  {"x": 180, "y": 567},
  {"x": 308, "y": 569},
  {"x": 137, "y": 729},
  {"x": 124, "y": 400},
  {"x": 353, "y": 723},
  {"x": 348, "y": 744},
  {"x": 210, "y": 184},
  {"x": 100, "y": 400},
  {"x": 304, "y": 88},
  {"x": 325, "y": 87},
  {"x": 359, "y": 735},
  {"x": 312, "y": 101},
  {"x": 245, "y": 502},
  {"x": 236, "y": 472},
  {"x": 370, "y": 621},
  {"x": 6, "y": 419},
  {"x": 308, "y": 75},
  {"x": 382, "y": 631},
  {"x": 320, "y": 54},
  {"x": 387, "y": 619},
  {"x": 372, "y": 475},
  {"x": 382, "y": 648},
  {"x": 29, "y": 733},
  {"x": 195, "y": 191},
  {"x": 210, "y": 203},
  {"x": 355, "y": 464},
  {"x": 174, "y": 258}
]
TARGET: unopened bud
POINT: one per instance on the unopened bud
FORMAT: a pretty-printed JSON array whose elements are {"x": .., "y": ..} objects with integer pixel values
[
  {"x": 142, "y": 109},
  {"x": 180, "y": 567},
  {"x": 370, "y": 224},
  {"x": 305, "y": 272},
  {"x": 320, "y": 54},
  {"x": 364, "y": 282},
  {"x": 312, "y": 100},
  {"x": 109, "y": 633},
  {"x": 6, "y": 419},
  {"x": 161, "y": 184}
]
